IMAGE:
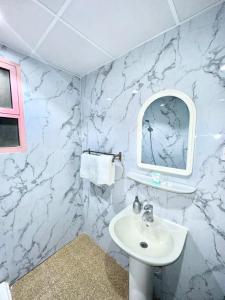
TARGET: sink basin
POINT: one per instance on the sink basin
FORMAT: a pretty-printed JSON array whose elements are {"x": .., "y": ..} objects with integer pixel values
[
  {"x": 148, "y": 244},
  {"x": 158, "y": 244}
]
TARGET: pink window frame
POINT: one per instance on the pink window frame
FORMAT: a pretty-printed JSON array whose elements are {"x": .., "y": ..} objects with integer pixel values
[
  {"x": 14, "y": 90},
  {"x": 17, "y": 104}
]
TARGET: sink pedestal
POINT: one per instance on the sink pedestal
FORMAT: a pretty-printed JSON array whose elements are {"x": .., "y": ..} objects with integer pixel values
[
  {"x": 140, "y": 280},
  {"x": 159, "y": 245}
]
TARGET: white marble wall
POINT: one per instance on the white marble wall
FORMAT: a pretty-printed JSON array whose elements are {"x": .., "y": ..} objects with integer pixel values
[
  {"x": 40, "y": 192},
  {"x": 188, "y": 59}
]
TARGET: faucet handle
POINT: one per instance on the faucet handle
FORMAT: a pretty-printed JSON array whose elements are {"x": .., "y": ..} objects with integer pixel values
[{"x": 147, "y": 205}]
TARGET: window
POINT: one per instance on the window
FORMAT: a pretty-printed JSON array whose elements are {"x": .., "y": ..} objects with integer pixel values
[{"x": 12, "y": 131}]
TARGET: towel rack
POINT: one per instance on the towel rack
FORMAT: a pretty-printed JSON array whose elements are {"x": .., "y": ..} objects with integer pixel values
[{"x": 115, "y": 156}]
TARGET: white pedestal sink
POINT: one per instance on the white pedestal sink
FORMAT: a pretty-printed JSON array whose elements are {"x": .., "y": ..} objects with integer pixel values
[{"x": 158, "y": 244}]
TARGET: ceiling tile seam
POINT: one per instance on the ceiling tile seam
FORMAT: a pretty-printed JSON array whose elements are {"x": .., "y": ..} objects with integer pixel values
[
  {"x": 81, "y": 76},
  {"x": 131, "y": 49},
  {"x": 58, "y": 18},
  {"x": 51, "y": 25},
  {"x": 40, "y": 59},
  {"x": 157, "y": 35},
  {"x": 174, "y": 11},
  {"x": 106, "y": 52},
  {"x": 30, "y": 48},
  {"x": 17, "y": 35},
  {"x": 5, "y": 44},
  {"x": 44, "y": 36},
  {"x": 146, "y": 41},
  {"x": 44, "y": 7}
]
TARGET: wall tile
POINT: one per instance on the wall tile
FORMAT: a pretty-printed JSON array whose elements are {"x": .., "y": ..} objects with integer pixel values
[
  {"x": 188, "y": 59},
  {"x": 40, "y": 196}
]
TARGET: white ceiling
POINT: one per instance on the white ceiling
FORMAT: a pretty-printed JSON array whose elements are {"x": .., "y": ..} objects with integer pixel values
[{"x": 79, "y": 36}]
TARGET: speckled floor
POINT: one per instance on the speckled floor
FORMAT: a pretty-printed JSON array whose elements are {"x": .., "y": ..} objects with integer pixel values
[{"x": 79, "y": 271}]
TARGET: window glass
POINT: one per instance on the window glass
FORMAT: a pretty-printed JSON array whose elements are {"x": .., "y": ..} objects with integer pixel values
[
  {"x": 9, "y": 132},
  {"x": 5, "y": 89}
]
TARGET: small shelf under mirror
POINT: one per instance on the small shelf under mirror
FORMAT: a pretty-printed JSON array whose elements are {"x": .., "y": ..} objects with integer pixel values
[{"x": 170, "y": 186}]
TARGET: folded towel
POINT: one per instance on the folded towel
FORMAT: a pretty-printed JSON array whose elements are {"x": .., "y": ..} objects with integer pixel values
[
  {"x": 99, "y": 169},
  {"x": 5, "y": 291},
  {"x": 88, "y": 168},
  {"x": 105, "y": 170}
]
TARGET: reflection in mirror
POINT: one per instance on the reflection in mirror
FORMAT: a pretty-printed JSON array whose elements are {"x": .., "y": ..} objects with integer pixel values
[
  {"x": 166, "y": 133},
  {"x": 165, "y": 128}
]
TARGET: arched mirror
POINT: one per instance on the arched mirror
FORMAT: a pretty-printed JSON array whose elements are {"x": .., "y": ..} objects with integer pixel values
[{"x": 166, "y": 133}]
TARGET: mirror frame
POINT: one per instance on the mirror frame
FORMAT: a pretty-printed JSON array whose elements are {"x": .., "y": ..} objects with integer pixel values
[{"x": 191, "y": 133}]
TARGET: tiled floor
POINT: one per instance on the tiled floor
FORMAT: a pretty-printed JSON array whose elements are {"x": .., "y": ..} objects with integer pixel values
[{"x": 79, "y": 271}]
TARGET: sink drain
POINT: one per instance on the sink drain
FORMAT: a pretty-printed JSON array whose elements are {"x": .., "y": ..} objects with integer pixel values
[{"x": 143, "y": 245}]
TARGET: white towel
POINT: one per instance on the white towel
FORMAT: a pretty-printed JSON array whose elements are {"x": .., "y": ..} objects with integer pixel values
[
  {"x": 5, "y": 291},
  {"x": 88, "y": 168},
  {"x": 99, "y": 169},
  {"x": 105, "y": 170}
]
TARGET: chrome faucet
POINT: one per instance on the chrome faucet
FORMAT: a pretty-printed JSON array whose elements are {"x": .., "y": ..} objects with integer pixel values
[
  {"x": 148, "y": 214},
  {"x": 146, "y": 207}
]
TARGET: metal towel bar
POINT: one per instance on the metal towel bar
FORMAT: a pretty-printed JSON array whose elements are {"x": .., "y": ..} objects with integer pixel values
[{"x": 115, "y": 156}]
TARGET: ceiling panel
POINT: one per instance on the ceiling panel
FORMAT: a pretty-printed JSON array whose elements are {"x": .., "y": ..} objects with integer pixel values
[
  {"x": 64, "y": 48},
  {"x": 28, "y": 19},
  {"x": 88, "y": 33},
  {"x": 53, "y": 5},
  {"x": 10, "y": 39},
  {"x": 117, "y": 25},
  {"x": 188, "y": 8}
]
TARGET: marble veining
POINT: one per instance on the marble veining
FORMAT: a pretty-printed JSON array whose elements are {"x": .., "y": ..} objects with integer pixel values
[
  {"x": 40, "y": 195},
  {"x": 187, "y": 58},
  {"x": 43, "y": 202}
]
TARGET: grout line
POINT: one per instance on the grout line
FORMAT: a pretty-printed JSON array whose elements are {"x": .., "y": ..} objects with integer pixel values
[
  {"x": 44, "y": 7},
  {"x": 173, "y": 11},
  {"x": 159, "y": 34},
  {"x": 39, "y": 59},
  {"x": 57, "y": 17},
  {"x": 52, "y": 24},
  {"x": 87, "y": 39},
  {"x": 17, "y": 35},
  {"x": 44, "y": 36},
  {"x": 37, "y": 56}
]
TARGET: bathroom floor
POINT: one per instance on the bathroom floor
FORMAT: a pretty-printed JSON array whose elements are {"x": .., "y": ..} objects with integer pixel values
[{"x": 80, "y": 270}]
